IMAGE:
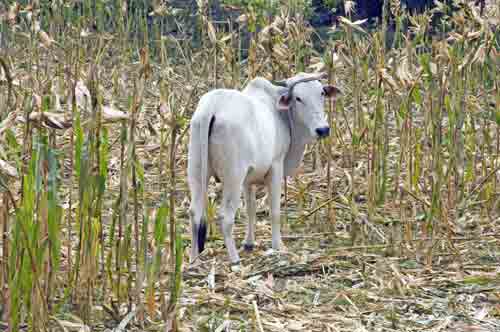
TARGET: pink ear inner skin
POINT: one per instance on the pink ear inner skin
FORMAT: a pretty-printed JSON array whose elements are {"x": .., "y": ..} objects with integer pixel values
[
  {"x": 284, "y": 102},
  {"x": 330, "y": 91}
]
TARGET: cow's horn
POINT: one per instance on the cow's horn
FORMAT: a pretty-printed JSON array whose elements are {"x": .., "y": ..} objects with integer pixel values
[
  {"x": 281, "y": 83},
  {"x": 314, "y": 77}
]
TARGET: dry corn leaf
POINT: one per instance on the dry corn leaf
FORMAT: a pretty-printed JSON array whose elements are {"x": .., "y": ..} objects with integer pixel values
[
  {"x": 7, "y": 169},
  {"x": 296, "y": 326},
  {"x": 12, "y": 14},
  {"x": 166, "y": 114},
  {"x": 294, "y": 31},
  {"x": 276, "y": 325},
  {"x": 71, "y": 326},
  {"x": 82, "y": 95},
  {"x": 264, "y": 33},
  {"x": 8, "y": 122},
  {"x": 336, "y": 61},
  {"x": 36, "y": 26},
  {"x": 211, "y": 32},
  {"x": 347, "y": 60},
  {"x": 226, "y": 38},
  {"x": 388, "y": 79},
  {"x": 279, "y": 21},
  {"x": 403, "y": 72},
  {"x": 124, "y": 8},
  {"x": 319, "y": 66},
  {"x": 454, "y": 37},
  {"x": 356, "y": 25},
  {"x": 50, "y": 119},
  {"x": 349, "y": 7},
  {"x": 211, "y": 277},
  {"x": 242, "y": 18},
  {"x": 36, "y": 102},
  {"x": 111, "y": 114},
  {"x": 281, "y": 51},
  {"x": 473, "y": 35},
  {"x": 276, "y": 30},
  {"x": 477, "y": 17},
  {"x": 480, "y": 55},
  {"x": 85, "y": 33},
  {"x": 466, "y": 61},
  {"x": 160, "y": 10},
  {"x": 56, "y": 90}
]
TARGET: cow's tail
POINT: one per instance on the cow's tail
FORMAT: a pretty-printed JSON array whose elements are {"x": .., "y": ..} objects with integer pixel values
[
  {"x": 199, "y": 140},
  {"x": 204, "y": 135}
]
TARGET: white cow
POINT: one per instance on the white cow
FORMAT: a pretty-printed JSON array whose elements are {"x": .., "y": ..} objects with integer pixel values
[{"x": 253, "y": 137}]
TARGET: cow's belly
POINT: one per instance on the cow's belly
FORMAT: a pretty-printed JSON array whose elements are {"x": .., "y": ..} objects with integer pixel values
[{"x": 258, "y": 175}]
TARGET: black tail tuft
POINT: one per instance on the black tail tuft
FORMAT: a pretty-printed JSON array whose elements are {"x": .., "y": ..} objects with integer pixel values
[
  {"x": 202, "y": 234},
  {"x": 211, "y": 126}
]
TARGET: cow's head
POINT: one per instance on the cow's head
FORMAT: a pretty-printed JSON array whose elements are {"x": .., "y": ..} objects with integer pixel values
[{"x": 304, "y": 98}]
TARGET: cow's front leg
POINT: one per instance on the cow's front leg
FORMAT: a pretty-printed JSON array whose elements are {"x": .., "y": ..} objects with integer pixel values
[{"x": 275, "y": 193}]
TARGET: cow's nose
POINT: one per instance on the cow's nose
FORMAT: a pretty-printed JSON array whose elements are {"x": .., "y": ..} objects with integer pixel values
[{"x": 323, "y": 132}]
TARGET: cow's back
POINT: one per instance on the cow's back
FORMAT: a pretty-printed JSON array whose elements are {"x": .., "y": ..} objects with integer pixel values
[{"x": 243, "y": 136}]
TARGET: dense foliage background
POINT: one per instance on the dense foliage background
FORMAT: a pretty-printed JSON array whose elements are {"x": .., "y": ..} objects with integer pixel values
[{"x": 392, "y": 224}]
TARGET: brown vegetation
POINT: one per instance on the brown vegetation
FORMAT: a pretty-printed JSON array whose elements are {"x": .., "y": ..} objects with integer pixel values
[{"x": 392, "y": 225}]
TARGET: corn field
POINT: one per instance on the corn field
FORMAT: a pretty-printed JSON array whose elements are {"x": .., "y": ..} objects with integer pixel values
[{"x": 392, "y": 224}]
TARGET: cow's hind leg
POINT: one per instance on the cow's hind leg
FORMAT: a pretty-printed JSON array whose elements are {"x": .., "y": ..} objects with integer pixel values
[
  {"x": 249, "y": 193},
  {"x": 231, "y": 202}
]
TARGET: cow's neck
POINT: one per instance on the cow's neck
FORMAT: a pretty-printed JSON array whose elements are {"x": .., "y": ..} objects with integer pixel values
[
  {"x": 298, "y": 141},
  {"x": 267, "y": 93}
]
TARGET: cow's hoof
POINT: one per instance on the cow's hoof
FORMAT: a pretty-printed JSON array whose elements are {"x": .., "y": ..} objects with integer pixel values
[
  {"x": 270, "y": 252},
  {"x": 248, "y": 247},
  {"x": 235, "y": 267}
]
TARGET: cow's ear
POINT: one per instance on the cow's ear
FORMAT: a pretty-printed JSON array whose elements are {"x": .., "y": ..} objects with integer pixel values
[
  {"x": 284, "y": 102},
  {"x": 330, "y": 91}
]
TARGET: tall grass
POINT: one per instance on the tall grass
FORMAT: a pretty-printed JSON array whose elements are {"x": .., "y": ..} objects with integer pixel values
[{"x": 85, "y": 218}]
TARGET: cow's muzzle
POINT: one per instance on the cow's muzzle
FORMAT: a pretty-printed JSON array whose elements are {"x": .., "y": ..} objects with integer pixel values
[{"x": 323, "y": 132}]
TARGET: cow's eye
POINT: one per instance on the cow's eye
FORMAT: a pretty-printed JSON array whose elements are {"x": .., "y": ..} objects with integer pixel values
[
  {"x": 323, "y": 93},
  {"x": 298, "y": 99}
]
